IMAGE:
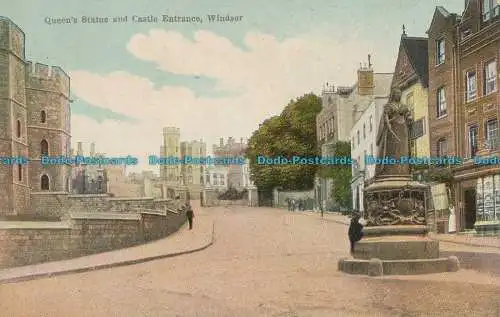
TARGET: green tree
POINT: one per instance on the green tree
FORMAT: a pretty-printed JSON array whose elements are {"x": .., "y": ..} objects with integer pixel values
[
  {"x": 341, "y": 175},
  {"x": 292, "y": 133}
]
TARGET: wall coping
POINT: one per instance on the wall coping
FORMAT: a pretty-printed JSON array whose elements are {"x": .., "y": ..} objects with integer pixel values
[
  {"x": 48, "y": 193},
  {"x": 87, "y": 195},
  {"x": 104, "y": 215},
  {"x": 154, "y": 213},
  {"x": 131, "y": 198},
  {"x": 26, "y": 225}
]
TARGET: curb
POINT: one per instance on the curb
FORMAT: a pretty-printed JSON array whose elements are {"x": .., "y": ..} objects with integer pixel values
[
  {"x": 438, "y": 239},
  {"x": 465, "y": 243},
  {"x": 109, "y": 265}
]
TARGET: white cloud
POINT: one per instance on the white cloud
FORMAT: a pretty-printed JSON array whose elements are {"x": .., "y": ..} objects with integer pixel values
[{"x": 267, "y": 73}]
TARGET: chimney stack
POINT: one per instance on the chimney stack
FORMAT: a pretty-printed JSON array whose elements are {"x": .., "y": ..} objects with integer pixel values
[
  {"x": 79, "y": 150},
  {"x": 365, "y": 79}
]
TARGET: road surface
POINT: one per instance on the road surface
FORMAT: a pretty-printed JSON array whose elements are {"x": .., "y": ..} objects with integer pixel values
[{"x": 264, "y": 262}]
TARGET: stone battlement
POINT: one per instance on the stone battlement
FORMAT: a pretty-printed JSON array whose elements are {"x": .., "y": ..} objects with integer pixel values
[
  {"x": 48, "y": 78},
  {"x": 171, "y": 130}
]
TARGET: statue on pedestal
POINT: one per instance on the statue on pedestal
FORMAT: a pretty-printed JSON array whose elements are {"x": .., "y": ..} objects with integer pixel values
[
  {"x": 392, "y": 137},
  {"x": 393, "y": 199}
]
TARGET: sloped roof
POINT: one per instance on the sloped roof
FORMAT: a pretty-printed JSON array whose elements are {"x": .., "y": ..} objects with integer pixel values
[{"x": 417, "y": 51}]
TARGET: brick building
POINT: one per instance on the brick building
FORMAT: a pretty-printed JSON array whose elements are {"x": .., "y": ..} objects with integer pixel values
[
  {"x": 464, "y": 107},
  {"x": 34, "y": 121}
]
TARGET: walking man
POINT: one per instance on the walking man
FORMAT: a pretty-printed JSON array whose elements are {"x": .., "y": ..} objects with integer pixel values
[{"x": 189, "y": 215}]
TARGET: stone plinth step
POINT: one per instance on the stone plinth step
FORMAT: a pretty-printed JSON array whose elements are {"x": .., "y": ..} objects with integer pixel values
[
  {"x": 397, "y": 248},
  {"x": 377, "y": 267}
]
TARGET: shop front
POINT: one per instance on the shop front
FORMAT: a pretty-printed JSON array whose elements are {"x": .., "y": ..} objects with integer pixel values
[{"x": 477, "y": 189}]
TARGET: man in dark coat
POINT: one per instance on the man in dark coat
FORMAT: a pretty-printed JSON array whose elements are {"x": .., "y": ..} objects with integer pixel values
[
  {"x": 189, "y": 215},
  {"x": 355, "y": 231}
]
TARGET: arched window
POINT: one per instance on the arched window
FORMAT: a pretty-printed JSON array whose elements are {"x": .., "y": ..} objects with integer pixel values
[
  {"x": 19, "y": 172},
  {"x": 43, "y": 116},
  {"x": 18, "y": 129},
  {"x": 44, "y": 147},
  {"x": 44, "y": 182}
]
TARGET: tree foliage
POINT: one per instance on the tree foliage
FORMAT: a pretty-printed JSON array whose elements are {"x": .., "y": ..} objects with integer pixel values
[
  {"x": 341, "y": 175},
  {"x": 292, "y": 133}
]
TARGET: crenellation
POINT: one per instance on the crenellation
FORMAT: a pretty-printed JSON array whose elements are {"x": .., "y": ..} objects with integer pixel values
[{"x": 48, "y": 78}]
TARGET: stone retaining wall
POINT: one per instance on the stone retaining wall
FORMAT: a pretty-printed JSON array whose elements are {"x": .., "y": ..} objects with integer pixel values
[
  {"x": 54, "y": 204},
  {"x": 25, "y": 243}
]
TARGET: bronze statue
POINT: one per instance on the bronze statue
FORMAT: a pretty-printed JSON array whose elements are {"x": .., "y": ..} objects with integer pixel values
[{"x": 392, "y": 137}]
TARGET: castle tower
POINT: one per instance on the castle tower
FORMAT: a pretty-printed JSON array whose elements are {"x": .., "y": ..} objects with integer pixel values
[
  {"x": 14, "y": 179},
  {"x": 49, "y": 133},
  {"x": 171, "y": 148}
]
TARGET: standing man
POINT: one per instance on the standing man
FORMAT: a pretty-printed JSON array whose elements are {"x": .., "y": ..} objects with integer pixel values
[
  {"x": 355, "y": 230},
  {"x": 189, "y": 215}
]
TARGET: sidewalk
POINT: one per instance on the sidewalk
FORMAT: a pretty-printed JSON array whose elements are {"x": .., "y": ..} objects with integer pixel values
[
  {"x": 182, "y": 242},
  {"x": 470, "y": 240}
]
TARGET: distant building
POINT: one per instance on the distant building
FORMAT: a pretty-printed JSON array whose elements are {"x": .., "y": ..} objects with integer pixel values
[
  {"x": 171, "y": 148},
  {"x": 238, "y": 176},
  {"x": 89, "y": 179},
  {"x": 216, "y": 176},
  {"x": 342, "y": 108},
  {"x": 192, "y": 174}
]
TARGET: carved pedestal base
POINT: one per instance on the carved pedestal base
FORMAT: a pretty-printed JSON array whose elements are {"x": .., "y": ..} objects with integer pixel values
[{"x": 395, "y": 239}]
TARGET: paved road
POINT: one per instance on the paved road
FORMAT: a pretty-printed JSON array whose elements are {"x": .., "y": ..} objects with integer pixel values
[{"x": 264, "y": 263}]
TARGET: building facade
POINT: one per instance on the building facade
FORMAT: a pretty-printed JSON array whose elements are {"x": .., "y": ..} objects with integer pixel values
[
  {"x": 342, "y": 108},
  {"x": 216, "y": 176},
  {"x": 442, "y": 91},
  {"x": 236, "y": 175},
  {"x": 35, "y": 121},
  {"x": 364, "y": 146},
  {"x": 192, "y": 174},
  {"x": 88, "y": 179},
  {"x": 411, "y": 76},
  {"x": 171, "y": 173},
  {"x": 477, "y": 186}
]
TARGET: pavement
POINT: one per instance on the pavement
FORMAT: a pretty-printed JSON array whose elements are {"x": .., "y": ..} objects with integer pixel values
[
  {"x": 264, "y": 262},
  {"x": 182, "y": 242},
  {"x": 462, "y": 239}
]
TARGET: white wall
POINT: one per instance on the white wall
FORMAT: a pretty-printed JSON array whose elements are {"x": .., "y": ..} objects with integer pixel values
[{"x": 367, "y": 144}]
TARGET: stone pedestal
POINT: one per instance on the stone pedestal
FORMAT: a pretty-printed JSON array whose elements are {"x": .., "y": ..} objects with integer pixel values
[{"x": 395, "y": 239}]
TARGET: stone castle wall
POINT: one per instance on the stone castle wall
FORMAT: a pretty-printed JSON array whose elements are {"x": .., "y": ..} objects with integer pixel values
[
  {"x": 59, "y": 204},
  {"x": 82, "y": 234}
]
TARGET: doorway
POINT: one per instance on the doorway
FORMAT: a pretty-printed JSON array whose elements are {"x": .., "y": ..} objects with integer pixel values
[{"x": 470, "y": 208}]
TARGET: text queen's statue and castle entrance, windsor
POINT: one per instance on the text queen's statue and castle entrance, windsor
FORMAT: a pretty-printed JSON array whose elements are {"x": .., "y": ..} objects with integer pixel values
[{"x": 396, "y": 237}]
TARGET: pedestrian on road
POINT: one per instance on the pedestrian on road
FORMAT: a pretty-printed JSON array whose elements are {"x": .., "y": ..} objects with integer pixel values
[
  {"x": 355, "y": 231},
  {"x": 293, "y": 204},
  {"x": 289, "y": 202},
  {"x": 189, "y": 215}
]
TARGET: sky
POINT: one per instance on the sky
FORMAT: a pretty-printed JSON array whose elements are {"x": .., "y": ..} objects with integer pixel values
[{"x": 211, "y": 80}]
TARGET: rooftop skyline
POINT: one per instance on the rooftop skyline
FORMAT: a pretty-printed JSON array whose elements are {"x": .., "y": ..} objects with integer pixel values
[{"x": 129, "y": 80}]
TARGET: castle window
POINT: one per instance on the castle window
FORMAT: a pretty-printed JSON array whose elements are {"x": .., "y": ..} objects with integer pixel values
[
  {"x": 44, "y": 147},
  {"x": 43, "y": 116},
  {"x": 44, "y": 182},
  {"x": 19, "y": 172},
  {"x": 18, "y": 129}
]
